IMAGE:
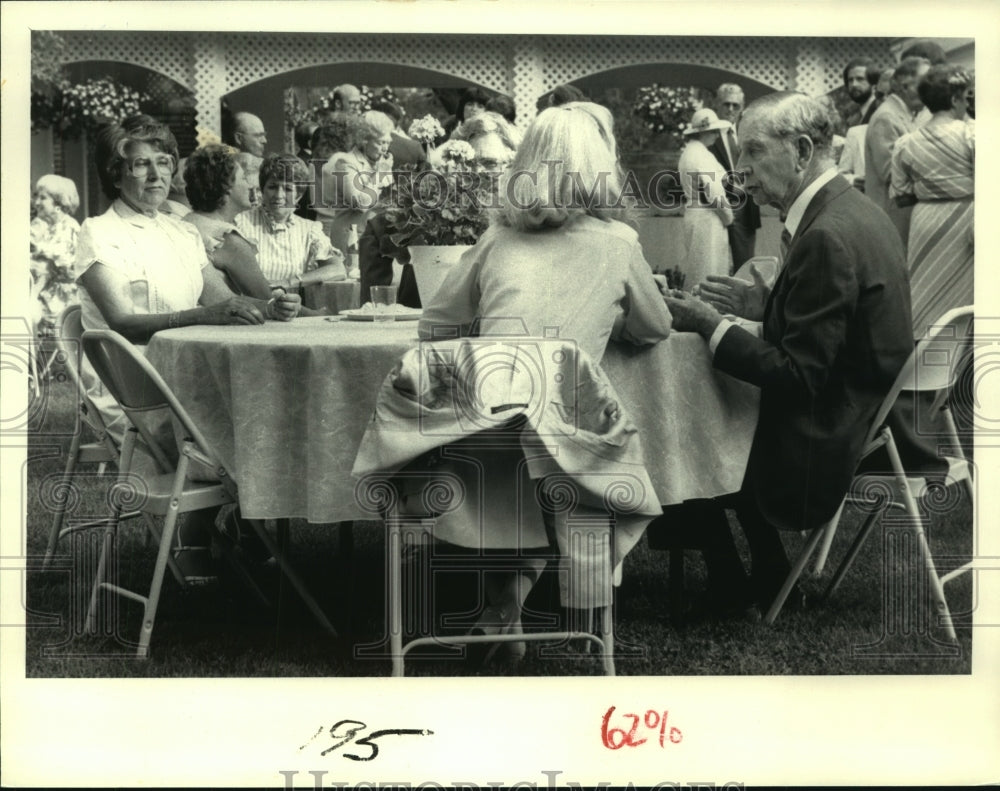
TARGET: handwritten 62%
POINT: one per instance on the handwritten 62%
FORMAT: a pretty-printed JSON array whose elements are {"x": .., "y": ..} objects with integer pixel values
[{"x": 650, "y": 722}]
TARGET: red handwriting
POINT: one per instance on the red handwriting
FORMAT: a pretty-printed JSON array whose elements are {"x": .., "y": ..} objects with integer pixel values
[{"x": 652, "y": 722}]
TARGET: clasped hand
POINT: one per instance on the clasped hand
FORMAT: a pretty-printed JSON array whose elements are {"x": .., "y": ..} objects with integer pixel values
[{"x": 242, "y": 310}]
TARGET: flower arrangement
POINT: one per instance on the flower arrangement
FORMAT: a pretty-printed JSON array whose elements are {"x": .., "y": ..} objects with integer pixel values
[
  {"x": 664, "y": 109},
  {"x": 457, "y": 155},
  {"x": 77, "y": 108},
  {"x": 434, "y": 207},
  {"x": 426, "y": 130}
]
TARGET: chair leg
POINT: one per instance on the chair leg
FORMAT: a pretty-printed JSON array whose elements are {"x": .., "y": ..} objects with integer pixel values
[
  {"x": 394, "y": 537},
  {"x": 606, "y": 631},
  {"x": 852, "y": 553},
  {"x": 828, "y": 533},
  {"x": 936, "y": 587},
  {"x": 162, "y": 558},
  {"x": 794, "y": 574},
  {"x": 61, "y": 500},
  {"x": 106, "y": 543}
]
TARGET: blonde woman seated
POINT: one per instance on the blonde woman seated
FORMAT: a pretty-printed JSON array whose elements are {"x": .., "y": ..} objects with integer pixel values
[
  {"x": 352, "y": 181},
  {"x": 557, "y": 259}
]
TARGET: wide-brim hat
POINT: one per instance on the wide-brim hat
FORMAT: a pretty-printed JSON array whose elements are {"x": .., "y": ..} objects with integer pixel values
[{"x": 705, "y": 120}]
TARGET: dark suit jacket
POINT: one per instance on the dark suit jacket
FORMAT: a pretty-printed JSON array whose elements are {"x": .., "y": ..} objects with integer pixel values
[
  {"x": 836, "y": 333},
  {"x": 747, "y": 215}
]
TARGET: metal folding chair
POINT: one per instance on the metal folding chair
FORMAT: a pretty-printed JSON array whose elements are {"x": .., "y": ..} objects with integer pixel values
[
  {"x": 140, "y": 390},
  {"x": 102, "y": 451},
  {"x": 932, "y": 367}
]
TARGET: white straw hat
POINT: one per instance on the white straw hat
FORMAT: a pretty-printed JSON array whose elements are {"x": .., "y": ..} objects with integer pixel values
[{"x": 705, "y": 120}]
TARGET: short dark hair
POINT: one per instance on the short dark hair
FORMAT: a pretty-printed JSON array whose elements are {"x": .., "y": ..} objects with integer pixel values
[
  {"x": 564, "y": 94},
  {"x": 502, "y": 104},
  {"x": 283, "y": 168},
  {"x": 872, "y": 72},
  {"x": 113, "y": 139},
  {"x": 336, "y": 135},
  {"x": 208, "y": 176},
  {"x": 470, "y": 95},
  {"x": 304, "y": 132},
  {"x": 927, "y": 49},
  {"x": 941, "y": 84},
  {"x": 391, "y": 109}
]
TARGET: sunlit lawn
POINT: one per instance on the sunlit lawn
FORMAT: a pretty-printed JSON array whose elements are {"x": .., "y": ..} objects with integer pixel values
[{"x": 222, "y": 631}]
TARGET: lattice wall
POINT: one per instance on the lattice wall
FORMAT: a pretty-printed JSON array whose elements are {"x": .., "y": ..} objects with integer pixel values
[
  {"x": 250, "y": 57},
  {"x": 214, "y": 64},
  {"x": 253, "y": 56}
]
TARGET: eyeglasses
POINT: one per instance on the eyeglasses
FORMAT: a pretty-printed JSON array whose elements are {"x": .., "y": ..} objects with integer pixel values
[{"x": 164, "y": 164}]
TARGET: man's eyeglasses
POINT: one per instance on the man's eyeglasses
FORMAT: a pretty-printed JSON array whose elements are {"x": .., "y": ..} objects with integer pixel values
[{"x": 164, "y": 164}]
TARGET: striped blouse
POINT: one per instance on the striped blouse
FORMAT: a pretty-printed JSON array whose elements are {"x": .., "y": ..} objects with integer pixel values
[{"x": 284, "y": 249}]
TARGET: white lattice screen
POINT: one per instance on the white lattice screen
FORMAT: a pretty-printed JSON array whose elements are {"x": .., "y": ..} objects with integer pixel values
[
  {"x": 482, "y": 59},
  {"x": 214, "y": 64}
]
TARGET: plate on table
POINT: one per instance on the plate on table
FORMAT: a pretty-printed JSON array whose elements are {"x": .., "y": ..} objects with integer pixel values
[{"x": 367, "y": 313}]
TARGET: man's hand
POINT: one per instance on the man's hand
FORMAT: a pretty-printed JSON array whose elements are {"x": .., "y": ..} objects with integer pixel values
[
  {"x": 690, "y": 314},
  {"x": 730, "y": 295}
]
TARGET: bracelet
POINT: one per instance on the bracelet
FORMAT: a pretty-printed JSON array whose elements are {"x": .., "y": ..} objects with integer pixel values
[{"x": 173, "y": 321}]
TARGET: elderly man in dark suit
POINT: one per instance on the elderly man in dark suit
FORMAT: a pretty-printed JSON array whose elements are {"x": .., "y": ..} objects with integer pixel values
[
  {"x": 746, "y": 214},
  {"x": 835, "y": 333}
]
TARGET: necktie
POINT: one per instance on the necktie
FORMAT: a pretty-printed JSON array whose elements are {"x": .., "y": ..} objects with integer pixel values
[
  {"x": 734, "y": 148},
  {"x": 786, "y": 240}
]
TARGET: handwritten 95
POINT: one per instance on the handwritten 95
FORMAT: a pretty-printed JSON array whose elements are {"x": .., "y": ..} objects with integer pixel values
[{"x": 638, "y": 730}]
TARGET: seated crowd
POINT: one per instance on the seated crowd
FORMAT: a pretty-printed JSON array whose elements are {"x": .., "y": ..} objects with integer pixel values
[{"x": 251, "y": 234}]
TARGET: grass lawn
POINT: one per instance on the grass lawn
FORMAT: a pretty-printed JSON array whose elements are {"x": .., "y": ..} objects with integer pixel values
[{"x": 873, "y": 625}]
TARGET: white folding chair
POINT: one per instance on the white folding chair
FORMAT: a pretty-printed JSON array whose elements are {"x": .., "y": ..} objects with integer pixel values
[
  {"x": 102, "y": 451},
  {"x": 932, "y": 367},
  {"x": 140, "y": 390},
  {"x": 403, "y": 524}
]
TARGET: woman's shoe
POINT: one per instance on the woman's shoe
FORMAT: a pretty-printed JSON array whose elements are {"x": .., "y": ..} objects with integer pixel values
[
  {"x": 196, "y": 565},
  {"x": 494, "y": 621}
]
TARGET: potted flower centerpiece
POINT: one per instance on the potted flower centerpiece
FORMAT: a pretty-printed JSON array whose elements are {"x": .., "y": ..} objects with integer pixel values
[{"x": 438, "y": 211}]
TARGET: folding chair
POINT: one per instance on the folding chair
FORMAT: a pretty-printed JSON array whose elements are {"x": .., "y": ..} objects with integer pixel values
[
  {"x": 402, "y": 523},
  {"x": 139, "y": 390},
  {"x": 932, "y": 367},
  {"x": 494, "y": 386},
  {"x": 102, "y": 451}
]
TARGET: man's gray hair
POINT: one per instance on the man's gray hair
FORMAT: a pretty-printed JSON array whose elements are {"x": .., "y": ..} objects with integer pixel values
[{"x": 788, "y": 114}]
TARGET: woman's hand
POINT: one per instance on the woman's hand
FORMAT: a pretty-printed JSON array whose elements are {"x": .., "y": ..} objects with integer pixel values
[
  {"x": 237, "y": 310},
  {"x": 284, "y": 307}
]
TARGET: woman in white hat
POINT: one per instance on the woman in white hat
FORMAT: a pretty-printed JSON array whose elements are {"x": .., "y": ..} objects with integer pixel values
[{"x": 707, "y": 213}]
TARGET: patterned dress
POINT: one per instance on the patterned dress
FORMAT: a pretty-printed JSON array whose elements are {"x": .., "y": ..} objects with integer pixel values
[
  {"x": 53, "y": 254},
  {"x": 936, "y": 165}
]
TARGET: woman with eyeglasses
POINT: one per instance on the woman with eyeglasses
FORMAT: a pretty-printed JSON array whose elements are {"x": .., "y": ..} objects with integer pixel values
[
  {"x": 933, "y": 170},
  {"x": 142, "y": 271}
]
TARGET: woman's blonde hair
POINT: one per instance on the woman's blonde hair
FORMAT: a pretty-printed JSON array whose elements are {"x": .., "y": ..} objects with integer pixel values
[
  {"x": 62, "y": 190},
  {"x": 565, "y": 168},
  {"x": 372, "y": 125}
]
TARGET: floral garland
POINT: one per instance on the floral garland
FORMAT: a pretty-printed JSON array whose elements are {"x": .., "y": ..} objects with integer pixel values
[
  {"x": 665, "y": 109},
  {"x": 74, "y": 109}
]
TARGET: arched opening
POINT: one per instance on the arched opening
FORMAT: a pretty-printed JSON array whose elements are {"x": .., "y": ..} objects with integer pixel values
[
  {"x": 268, "y": 98},
  {"x": 72, "y": 154}
]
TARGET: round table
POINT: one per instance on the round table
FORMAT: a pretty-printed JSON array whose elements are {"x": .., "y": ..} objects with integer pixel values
[{"x": 286, "y": 404}]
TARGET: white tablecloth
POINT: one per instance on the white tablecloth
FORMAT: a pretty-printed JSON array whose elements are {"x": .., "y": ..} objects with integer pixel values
[{"x": 285, "y": 405}]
